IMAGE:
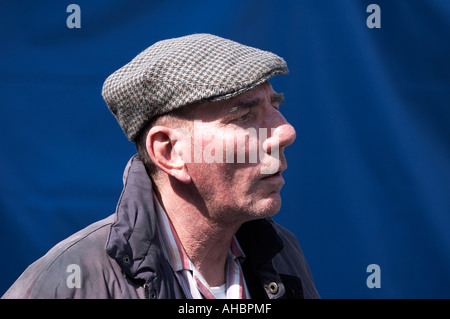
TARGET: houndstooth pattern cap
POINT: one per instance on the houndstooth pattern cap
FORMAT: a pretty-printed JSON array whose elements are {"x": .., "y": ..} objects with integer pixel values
[{"x": 176, "y": 72}]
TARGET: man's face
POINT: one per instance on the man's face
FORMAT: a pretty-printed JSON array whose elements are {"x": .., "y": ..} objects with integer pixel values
[{"x": 237, "y": 155}]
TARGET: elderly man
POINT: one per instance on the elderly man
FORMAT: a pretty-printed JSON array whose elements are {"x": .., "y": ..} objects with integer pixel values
[{"x": 194, "y": 217}]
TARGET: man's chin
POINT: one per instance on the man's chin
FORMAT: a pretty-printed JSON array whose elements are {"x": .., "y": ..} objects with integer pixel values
[{"x": 270, "y": 206}]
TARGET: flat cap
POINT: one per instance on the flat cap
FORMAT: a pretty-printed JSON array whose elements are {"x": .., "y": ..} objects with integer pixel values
[{"x": 176, "y": 72}]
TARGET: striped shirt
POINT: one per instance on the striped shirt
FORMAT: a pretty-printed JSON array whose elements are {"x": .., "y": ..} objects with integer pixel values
[{"x": 191, "y": 281}]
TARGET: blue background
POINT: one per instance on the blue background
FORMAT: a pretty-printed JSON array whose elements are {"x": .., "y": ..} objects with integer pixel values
[{"x": 369, "y": 174}]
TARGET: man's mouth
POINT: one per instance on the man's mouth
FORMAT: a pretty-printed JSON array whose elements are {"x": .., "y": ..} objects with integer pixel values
[{"x": 277, "y": 175}]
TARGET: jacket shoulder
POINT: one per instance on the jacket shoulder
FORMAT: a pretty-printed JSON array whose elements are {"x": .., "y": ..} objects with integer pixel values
[{"x": 70, "y": 268}]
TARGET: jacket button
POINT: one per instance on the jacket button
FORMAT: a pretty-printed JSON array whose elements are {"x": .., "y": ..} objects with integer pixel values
[
  {"x": 126, "y": 259},
  {"x": 273, "y": 287}
]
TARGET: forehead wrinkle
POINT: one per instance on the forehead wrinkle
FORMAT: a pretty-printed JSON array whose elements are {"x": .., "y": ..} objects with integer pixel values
[{"x": 275, "y": 98}]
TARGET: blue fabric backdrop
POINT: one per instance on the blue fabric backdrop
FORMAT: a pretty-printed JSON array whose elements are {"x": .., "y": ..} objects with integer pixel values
[{"x": 369, "y": 174}]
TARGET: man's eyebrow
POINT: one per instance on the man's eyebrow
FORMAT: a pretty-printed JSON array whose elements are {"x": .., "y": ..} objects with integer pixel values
[
  {"x": 277, "y": 98},
  {"x": 245, "y": 104}
]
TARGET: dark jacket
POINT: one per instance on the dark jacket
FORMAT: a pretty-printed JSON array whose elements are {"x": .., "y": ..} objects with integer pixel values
[{"x": 120, "y": 256}]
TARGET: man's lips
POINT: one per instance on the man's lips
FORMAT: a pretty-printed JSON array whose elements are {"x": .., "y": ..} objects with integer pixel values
[
  {"x": 281, "y": 168},
  {"x": 277, "y": 176}
]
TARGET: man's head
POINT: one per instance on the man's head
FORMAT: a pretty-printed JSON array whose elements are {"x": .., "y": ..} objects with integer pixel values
[{"x": 212, "y": 131}]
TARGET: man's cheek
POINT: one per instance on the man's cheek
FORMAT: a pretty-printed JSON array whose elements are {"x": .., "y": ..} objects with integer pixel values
[{"x": 241, "y": 146}]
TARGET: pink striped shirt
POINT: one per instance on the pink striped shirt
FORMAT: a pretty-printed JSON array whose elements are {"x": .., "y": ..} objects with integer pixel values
[{"x": 191, "y": 281}]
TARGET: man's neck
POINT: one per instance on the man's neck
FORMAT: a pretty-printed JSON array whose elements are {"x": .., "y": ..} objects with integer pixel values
[{"x": 205, "y": 241}]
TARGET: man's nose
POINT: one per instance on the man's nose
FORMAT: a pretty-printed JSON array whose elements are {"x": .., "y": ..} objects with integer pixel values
[
  {"x": 282, "y": 136},
  {"x": 286, "y": 134}
]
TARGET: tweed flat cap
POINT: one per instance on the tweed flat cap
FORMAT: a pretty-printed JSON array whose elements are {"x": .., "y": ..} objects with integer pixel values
[{"x": 176, "y": 72}]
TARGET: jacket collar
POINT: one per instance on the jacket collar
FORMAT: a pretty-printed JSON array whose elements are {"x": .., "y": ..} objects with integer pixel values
[{"x": 133, "y": 241}]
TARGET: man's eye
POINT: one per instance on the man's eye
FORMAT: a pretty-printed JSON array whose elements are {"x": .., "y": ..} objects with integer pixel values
[{"x": 242, "y": 118}]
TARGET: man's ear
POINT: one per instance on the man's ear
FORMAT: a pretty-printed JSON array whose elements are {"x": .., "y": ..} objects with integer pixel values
[{"x": 161, "y": 144}]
